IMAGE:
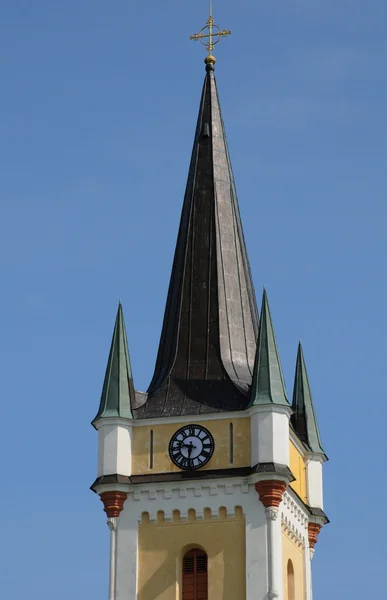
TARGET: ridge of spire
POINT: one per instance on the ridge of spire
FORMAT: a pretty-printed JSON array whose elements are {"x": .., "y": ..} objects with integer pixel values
[
  {"x": 304, "y": 419},
  {"x": 118, "y": 391},
  {"x": 268, "y": 386}
]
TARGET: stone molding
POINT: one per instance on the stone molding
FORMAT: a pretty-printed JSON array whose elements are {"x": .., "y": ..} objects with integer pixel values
[
  {"x": 294, "y": 520},
  {"x": 293, "y": 534},
  {"x": 293, "y": 510},
  {"x": 188, "y": 490},
  {"x": 191, "y": 515},
  {"x": 203, "y": 497}
]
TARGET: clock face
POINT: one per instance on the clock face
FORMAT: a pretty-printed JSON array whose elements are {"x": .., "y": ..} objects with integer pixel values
[{"x": 191, "y": 447}]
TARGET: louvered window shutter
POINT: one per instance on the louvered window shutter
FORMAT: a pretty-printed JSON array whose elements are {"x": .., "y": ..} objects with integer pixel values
[{"x": 195, "y": 579}]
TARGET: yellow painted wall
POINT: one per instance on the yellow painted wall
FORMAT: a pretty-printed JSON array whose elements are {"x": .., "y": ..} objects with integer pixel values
[
  {"x": 162, "y": 434},
  {"x": 162, "y": 545},
  {"x": 295, "y": 553},
  {"x": 297, "y": 467}
]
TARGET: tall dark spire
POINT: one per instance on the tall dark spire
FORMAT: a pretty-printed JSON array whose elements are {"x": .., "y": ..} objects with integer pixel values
[{"x": 207, "y": 347}]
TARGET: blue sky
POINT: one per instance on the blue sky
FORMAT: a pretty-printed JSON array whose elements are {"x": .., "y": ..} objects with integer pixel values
[{"x": 97, "y": 112}]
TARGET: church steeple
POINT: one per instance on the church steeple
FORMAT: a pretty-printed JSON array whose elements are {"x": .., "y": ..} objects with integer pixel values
[
  {"x": 207, "y": 347},
  {"x": 189, "y": 485}
]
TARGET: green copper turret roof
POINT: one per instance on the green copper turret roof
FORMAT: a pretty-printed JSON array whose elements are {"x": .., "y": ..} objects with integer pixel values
[
  {"x": 268, "y": 385},
  {"x": 304, "y": 418},
  {"x": 118, "y": 391}
]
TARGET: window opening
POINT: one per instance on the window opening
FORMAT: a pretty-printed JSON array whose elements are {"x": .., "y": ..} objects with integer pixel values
[
  {"x": 291, "y": 584},
  {"x": 195, "y": 577}
]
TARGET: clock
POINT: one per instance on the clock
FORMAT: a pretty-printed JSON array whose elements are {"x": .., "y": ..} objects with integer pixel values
[{"x": 191, "y": 447}]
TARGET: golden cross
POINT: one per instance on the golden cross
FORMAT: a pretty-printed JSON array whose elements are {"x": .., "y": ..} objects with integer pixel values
[{"x": 211, "y": 34}]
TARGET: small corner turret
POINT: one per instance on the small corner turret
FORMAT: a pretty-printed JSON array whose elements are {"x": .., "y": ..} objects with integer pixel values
[
  {"x": 304, "y": 423},
  {"x": 270, "y": 413},
  {"x": 114, "y": 423}
]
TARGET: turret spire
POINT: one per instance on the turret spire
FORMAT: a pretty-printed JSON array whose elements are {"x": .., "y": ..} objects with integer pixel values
[
  {"x": 117, "y": 393},
  {"x": 268, "y": 382},
  {"x": 304, "y": 418},
  {"x": 207, "y": 347}
]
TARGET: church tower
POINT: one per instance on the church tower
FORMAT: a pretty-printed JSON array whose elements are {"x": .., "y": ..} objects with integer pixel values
[{"x": 212, "y": 479}]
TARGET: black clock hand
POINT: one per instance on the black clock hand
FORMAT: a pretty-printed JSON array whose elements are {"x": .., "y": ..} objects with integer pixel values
[{"x": 190, "y": 447}]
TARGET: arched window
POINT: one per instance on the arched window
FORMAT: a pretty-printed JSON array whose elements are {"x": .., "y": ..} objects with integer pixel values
[
  {"x": 195, "y": 580},
  {"x": 291, "y": 585}
]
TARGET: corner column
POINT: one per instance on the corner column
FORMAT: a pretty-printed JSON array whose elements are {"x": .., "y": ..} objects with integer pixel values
[
  {"x": 270, "y": 494},
  {"x": 313, "y": 531},
  {"x": 113, "y": 503}
]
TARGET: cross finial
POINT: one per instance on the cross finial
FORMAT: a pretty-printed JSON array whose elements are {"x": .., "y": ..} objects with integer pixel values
[{"x": 209, "y": 36}]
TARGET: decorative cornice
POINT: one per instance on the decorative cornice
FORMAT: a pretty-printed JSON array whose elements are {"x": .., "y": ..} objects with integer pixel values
[
  {"x": 282, "y": 409},
  {"x": 221, "y": 513},
  {"x": 315, "y": 515},
  {"x": 313, "y": 531},
  {"x": 113, "y": 503},
  {"x": 294, "y": 535},
  {"x": 270, "y": 492},
  {"x": 267, "y": 470},
  {"x": 294, "y": 520},
  {"x": 118, "y": 421}
]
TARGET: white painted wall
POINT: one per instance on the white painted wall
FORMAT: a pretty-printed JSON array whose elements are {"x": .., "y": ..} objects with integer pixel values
[
  {"x": 114, "y": 447},
  {"x": 314, "y": 481},
  {"x": 270, "y": 435},
  {"x": 126, "y": 559}
]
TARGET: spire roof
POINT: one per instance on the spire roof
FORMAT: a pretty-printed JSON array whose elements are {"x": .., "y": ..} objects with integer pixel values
[
  {"x": 117, "y": 392},
  {"x": 207, "y": 347},
  {"x": 303, "y": 418},
  {"x": 268, "y": 382}
]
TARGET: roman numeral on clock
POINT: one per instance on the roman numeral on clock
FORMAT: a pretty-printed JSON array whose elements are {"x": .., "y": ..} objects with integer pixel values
[{"x": 183, "y": 462}]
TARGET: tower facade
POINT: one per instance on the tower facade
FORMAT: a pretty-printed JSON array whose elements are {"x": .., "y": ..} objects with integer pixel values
[{"x": 212, "y": 479}]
